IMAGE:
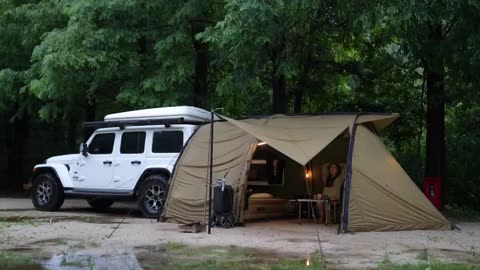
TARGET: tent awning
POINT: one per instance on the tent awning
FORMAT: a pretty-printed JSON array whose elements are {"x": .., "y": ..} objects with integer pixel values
[{"x": 302, "y": 137}]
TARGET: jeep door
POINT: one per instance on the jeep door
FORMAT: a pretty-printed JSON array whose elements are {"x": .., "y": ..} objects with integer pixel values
[
  {"x": 95, "y": 171},
  {"x": 130, "y": 161}
]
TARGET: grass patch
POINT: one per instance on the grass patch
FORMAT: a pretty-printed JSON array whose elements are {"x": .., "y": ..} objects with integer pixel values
[
  {"x": 174, "y": 246},
  {"x": 94, "y": 244},
  {"x": 386, "y": 264},
  {"x": 178, "y": 256},
  {"x": 12, "y": 261},
  {"x": 3, "y": 226},
  {"x": 424, "y": 255},
  {"x": 61, "y": 242},
  {"x": 433, "y": 266},
  {"x": 24, "y": 221},
  {"x": 78, "y": 246},
  {"x": 429, "y": 263}
]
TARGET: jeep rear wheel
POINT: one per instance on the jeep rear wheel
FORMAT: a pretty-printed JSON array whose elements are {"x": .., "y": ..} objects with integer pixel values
[
  {"x": 47, "y": 193},
  {"x": 152, "y": 196},
  {"x": 100, "y": 204}
]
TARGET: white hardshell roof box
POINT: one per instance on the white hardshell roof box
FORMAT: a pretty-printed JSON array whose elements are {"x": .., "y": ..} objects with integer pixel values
[{"x": 189, "y": 113}]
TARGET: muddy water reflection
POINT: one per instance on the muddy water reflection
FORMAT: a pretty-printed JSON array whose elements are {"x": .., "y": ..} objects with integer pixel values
[
  {"x": 93, "y": 260},
  {"x": 168, "y": 256}
]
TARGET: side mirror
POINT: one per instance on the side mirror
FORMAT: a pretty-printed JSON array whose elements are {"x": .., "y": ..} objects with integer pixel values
[{"x": 84, "y": 149}]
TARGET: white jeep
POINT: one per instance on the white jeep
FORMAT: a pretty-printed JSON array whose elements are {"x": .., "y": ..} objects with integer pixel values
[{"x": 129, "y": 157}]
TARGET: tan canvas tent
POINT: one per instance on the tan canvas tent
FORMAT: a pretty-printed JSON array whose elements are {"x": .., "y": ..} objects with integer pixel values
[{"x": 378, "y": 194}]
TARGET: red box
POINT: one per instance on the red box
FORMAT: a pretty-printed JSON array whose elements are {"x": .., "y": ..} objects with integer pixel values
[{"x": 432, "y": 188}]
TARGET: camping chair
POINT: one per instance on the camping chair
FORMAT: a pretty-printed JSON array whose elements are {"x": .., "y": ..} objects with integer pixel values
[{"x": 328, "y": 206}]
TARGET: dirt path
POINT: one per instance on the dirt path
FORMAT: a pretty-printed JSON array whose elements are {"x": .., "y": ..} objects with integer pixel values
[{"x": 78, "y": 227}]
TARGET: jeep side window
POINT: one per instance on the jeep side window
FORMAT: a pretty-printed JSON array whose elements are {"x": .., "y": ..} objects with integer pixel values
[
  {"x": 132, "y": 143},
  {"x": 102, "y": 144},
  {"x": 167, "y": 141}
]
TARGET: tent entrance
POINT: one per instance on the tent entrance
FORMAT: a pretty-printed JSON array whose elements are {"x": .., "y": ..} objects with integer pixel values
[{"x": 275, "y": 181}]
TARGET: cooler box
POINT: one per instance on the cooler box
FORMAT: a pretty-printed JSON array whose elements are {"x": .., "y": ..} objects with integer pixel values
[{"x": 432, "y": 188}]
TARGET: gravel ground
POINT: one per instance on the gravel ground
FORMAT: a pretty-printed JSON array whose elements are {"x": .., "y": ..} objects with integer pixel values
[{"x": 77, "y": 226}]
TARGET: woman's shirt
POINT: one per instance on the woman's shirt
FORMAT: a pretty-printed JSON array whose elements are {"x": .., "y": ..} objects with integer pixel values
[{"x": 335, "y": 189}]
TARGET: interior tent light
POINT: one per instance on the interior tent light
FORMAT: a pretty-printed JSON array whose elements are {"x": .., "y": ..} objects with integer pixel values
[{"x": 261, "y": 143}]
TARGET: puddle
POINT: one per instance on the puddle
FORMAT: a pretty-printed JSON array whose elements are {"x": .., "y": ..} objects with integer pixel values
[
  {"x": 174, "y": 256},
  {"x": 169, "y": 256},
  {"x": 92, "y": 260}
]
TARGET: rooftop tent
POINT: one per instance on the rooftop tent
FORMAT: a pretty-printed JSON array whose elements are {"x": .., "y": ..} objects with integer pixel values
[{"x": 379, "y": 196}]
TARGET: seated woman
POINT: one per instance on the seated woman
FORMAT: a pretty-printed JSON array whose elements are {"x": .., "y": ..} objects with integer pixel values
[{"x": 331, "y": 189}]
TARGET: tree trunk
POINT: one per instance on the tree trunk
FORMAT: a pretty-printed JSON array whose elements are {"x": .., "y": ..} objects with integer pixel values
[
  {"x": 279, "y": 85},
  {"x": 302, "y": 83},
  {"x": 435, "y": 160},
  {"x": 297, "y": 107},
  {"x": 90, "y": 108},
  {"x": 17, "y": 134},
  {"x": 200, "y": 85},
  {"x": 279, "y": 96},
  {"x": 72, "y": 133}
]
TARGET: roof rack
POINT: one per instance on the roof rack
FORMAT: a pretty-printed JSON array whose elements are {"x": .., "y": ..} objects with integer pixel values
[{"x": 145, "y": 122}]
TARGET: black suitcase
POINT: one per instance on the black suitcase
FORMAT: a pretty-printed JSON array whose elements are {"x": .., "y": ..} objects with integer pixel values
[
  {"x": 223, "y": 207},
  {"x": 223, "y": 200}
]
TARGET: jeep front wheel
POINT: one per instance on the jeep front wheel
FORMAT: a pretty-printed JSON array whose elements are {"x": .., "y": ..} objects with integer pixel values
[
  {"x": 100, "y": 204},
  {"x": 47, "y": 194},
  {"x": 152, "y": 195}
]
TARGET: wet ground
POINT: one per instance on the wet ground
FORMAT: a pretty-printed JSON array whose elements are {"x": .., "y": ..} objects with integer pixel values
[
  {"x": 79, "y": 238},
  {"x": 168, "y": 256}
]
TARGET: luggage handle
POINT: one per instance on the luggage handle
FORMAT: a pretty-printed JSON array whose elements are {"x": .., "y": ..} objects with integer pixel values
[{"x": 222, "y": 181}]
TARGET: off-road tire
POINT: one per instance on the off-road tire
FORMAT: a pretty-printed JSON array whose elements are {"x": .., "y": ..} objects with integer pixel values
[
  {"x": 152, "y": 195},
  {"x": 100, "y": 204},
  {"x": 47, "y": 193}
]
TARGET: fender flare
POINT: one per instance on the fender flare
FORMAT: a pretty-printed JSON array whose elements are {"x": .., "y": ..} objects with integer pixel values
[
  {"x": 150, "y": 171},
  {"x": 59, "y": 170}
]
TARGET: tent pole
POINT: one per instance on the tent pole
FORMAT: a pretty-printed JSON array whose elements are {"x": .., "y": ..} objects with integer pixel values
[
  {"x": 343, "y": 226},
  {"x": 210, "y": 180}
]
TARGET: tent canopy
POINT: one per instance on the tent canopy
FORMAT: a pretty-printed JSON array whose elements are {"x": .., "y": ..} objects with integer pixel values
[{"x": 301, "y": 138}]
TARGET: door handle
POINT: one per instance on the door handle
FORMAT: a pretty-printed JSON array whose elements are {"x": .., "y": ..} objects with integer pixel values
[
  {"x": 109, "y": 163},
  {"x": 136, "y": 162}
]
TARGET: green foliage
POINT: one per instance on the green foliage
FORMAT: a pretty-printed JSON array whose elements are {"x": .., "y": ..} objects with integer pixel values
[
  {"x": 259, "y": 42},
  {"x": 22, "y": 25},
  {"x": 96, "y": 54},
  {"x": 463, "y": 152},
  {"x": 60, "y": 60}
]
